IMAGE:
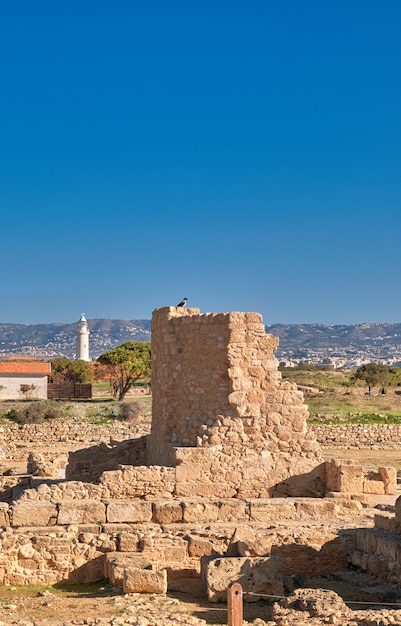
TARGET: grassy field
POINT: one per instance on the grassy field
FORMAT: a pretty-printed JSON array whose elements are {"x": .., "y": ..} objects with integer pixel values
[{"x": 332, "y": 397}]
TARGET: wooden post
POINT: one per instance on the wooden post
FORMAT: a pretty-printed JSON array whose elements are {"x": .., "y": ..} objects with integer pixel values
[{"x": 234, "y": 605}]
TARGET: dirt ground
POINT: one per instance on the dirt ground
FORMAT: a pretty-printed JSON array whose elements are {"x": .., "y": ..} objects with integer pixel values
[
  {"x": 369, "y": 459},
  {"x": 57, "y": 605}
]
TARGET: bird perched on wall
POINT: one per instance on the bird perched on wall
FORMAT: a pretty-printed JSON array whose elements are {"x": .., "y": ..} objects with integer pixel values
[{"x": 183, "y": 302}]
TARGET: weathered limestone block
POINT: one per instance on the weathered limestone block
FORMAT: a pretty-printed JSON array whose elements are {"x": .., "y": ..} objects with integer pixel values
[
  {"x": 273, "y": 510},
  {"x": 26, "y": 513},
  {"x": 137, "y": 580},
  {"x": 256, "y": 575},
  {"x": 373, "y": 487},
  {"x": 344, "y": 476},
  {"x": 318, "y": 605},
  {"x": 115, "y": 564},
  {"x": 129, "y": 511},
  {"x": 167, "y": 512},
  {"x": 232, "y": 509},
  {"x": 81, "y": 512},
  {"x": 165, "y": 551},
  {"x": 128, "y": 542},
  {"x": 199, "y": 546},
  {"x": 194, "y": 510},
  {"x": 314, "y": 507},
  {"x": 389, "y": 478},
  {"x": 244, "y": 542}
]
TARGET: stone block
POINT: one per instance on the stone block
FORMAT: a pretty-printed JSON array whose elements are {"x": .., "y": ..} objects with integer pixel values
[
  {"x": 129, "y": 511},
  {"x": 375, "y": 487},
  {"x": 389, "y": 478},
  {"x": 194, "y": 510},
  {"x": 273, "y": 510},
  {"x": 167, "y": 512},
  {"x": 314, "y": 507},
  {"x": 173, "y": 554},
  {"x": 115, "y": 564},
  {"x": 199, "y": 546},
  {"x": 33, "y": 513},
  {"x": 244, "y": 542},
  {"x": 232, "y": 509},
  {"x": 137, "y": 580},
  {"x": 257, "y": 575},
  {"x": 81, "y": 512},
  {"x": 344, "y": 476},
  {"x": 128, "y": 542}
]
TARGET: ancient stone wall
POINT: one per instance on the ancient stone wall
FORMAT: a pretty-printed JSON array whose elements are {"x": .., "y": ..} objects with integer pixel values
[
  {"x": 220, "y": 411},
  {"x": 357, "y": 435},
  {"x": 89, "y": 463},
  {"x": 80, "y": 532}
]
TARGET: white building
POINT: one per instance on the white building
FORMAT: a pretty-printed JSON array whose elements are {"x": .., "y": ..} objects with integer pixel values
[
  {"x": 24, "y": 380},
  {"x": 82, "y": 351}
]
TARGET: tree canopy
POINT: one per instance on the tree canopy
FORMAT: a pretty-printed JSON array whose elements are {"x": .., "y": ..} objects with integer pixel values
[
  {"x": 66, "y": 371},
  {"x": 374, "y": 374},
  {"x": 125, "y": 365}
]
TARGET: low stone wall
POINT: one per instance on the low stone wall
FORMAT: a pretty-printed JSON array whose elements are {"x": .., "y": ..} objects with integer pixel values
[
  {"x": 357, "y": 435},
  {"x": 94, "y": 539},
  {"x": 64, "y": 431},
  {"x": 55, "y": 507}
]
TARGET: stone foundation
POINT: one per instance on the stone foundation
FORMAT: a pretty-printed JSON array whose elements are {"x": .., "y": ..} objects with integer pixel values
[{"x": 82, "y": 540}]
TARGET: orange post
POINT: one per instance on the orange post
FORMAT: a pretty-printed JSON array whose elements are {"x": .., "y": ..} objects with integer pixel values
[{"x": 234, "y": 605}]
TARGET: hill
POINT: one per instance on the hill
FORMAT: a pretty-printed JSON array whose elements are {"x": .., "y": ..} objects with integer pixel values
[
  {"x": 53, "y": 340},
  {"x": 366, "y": 342}
]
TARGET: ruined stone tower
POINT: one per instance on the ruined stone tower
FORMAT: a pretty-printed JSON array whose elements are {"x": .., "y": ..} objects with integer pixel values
[{"x": 221, "y": 414}]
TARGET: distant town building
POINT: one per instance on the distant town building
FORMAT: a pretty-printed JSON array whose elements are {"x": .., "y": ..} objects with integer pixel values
[{"x": 82, "y": 351}]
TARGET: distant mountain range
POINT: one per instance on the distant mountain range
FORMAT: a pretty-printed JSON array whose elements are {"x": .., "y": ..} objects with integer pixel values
[
  {"x": 55, "y": 340},
  {"x": 363, "y": 342},
  {"x": 297, "y": 341}
]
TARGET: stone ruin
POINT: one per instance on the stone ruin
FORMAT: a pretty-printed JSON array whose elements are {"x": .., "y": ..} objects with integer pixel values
[
  {"x": 224, "y": 424},
  {"x": 220, "y": 413},
  {"x": 200, "y": 499}
]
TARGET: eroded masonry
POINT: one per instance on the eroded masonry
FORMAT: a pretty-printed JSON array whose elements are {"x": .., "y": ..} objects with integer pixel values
[
  {"x": 221, "y": 414},
  {"x": 199, "y": 499}
]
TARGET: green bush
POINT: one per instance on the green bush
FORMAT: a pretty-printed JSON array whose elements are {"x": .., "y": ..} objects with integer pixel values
[{"x": 36, "y": 412}]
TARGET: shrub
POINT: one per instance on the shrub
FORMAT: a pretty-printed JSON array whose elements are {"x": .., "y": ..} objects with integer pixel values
[
  {"x": 133, "y": 411},
  {"x": 36, "y": 412}
]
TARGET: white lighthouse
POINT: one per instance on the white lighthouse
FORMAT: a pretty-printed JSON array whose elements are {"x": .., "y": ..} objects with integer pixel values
[{"x": 82, "y": 352}]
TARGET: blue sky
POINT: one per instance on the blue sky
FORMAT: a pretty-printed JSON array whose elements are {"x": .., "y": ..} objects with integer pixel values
[{"x": 243, "y": 154}]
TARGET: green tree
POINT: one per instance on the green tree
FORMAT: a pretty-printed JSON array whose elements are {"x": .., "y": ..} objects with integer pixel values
[
  {"x": 74, "y": 372},
  {"x": 126, "y": 364},
  {"x": 374, "y": 374},
  {"x": 395, "y": 373}
]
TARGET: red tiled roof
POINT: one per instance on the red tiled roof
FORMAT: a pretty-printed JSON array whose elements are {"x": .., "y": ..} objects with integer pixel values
[{"x": 30, "y": 369}]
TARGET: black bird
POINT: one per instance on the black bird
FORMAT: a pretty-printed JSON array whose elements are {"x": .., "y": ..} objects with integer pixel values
[{"x": 183, "y": 302}]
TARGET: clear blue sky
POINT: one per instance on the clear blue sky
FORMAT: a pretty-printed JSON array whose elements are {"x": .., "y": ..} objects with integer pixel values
[{"x": 246, "y": 155}]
